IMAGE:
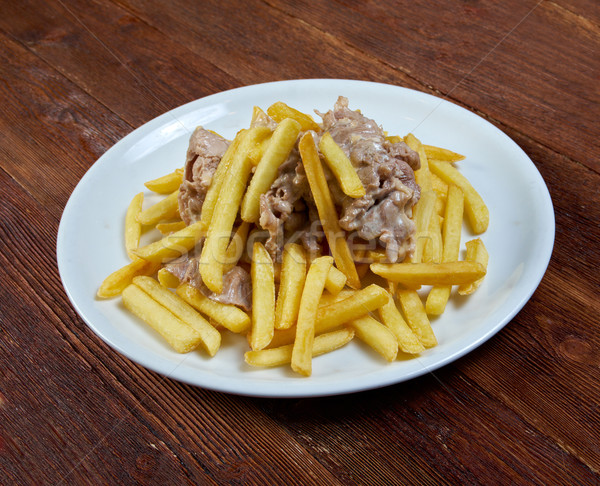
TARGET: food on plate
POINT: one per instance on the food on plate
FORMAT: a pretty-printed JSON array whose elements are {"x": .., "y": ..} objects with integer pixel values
[
  {"x": 301, "y": 236},
  {"x": 133, "y": 228}
]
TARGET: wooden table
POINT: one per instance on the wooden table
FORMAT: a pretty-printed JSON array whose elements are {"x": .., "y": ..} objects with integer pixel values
[{"x": 77, "y": 76}]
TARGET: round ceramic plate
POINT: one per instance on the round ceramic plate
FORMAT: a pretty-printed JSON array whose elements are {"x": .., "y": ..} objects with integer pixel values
[{"x": 519, "y": 240}]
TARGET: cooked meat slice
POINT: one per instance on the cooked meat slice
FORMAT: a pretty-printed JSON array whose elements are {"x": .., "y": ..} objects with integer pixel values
[
  {"x": 204, "y": 154},
  {"x": 237, "y": 286},
  {"x": 387, "y": 173},
  {"x": 281, "y": 200}
]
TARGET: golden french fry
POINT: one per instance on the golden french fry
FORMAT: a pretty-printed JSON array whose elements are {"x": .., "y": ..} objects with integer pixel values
[
  {"x": 263, "y": 297},
  {"x": 432, "y": 251},
  {"x": 116, "y": 282},
  {"x": 167, "y": 183},
  {"x": 167, "y": 279},
  {"x": 211, "y": 338},
  {"x": 322, "y": 344},
  {"x": 279, "y": 111},
  {"x": 177, "y": 333},
  {"x": 227, "y": 315},
  {"x": 216, "y": 183},
  {"x": 438, "y": 295},
  {"x": 163, "y": 210},
  {"x": 328, "y": 298},
  {"x": 417, "y": 317},
  {"x": 342, "y": 168},
  {"x": 476, "y": 252},
  {"x": 377, "y": 336},
  {"x": 441, "y": 189},
  {"x": 336, "y": 281},
  {"x": 174, "y": 245},
  {"x": 414, "y": 274},
  {"x": 257, "y": 115},
  {"x": 133, "y": 229},
  {"x": 281, "y": 144},
  {"x": 357, "y": 305},
  {"x": 336, "y": 237},
  {"x": 293, "y": 274},
  {"x": 394, "y": 139},
  {"x": 475, "y": 209},
  {"x": 257, "y": 152},
  {"x": 168, "y": 228},
  {"x": 408, "y": 342},
  {"x": 212, "y": 258},
  {"x": 305, "y": 327},
  {"x": 236, "y": 247},
  {"x": 422, "y": 175},
  {"x": 442, "y": 154},
  {"x": 422, "y": 214},
  {"x": 376, "y": 256}
]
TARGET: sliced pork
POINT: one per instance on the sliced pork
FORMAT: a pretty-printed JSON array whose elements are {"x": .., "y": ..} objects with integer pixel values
[{"x": 204, "y": 154}]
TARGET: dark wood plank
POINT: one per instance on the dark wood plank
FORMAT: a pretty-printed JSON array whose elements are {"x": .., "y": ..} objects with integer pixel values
[
  {"x": 51, "y": 131},
  {"x": 153, "y": 74},
  {"x": 409, "y": 436}
]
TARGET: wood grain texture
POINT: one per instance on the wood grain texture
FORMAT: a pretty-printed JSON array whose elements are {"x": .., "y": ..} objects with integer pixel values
[{"x": 77, "y": 76}]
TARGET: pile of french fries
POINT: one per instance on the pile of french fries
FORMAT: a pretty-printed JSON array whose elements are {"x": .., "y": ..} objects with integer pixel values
[{"x": 302, "y": 306}]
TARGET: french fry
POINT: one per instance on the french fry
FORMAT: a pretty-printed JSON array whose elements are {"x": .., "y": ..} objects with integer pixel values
[
  {"x": 342, "y": 168},
  {"x": 281, "y": 144},
  {"x": 286, "y": 336},
  {"x": 293, "y": 275},
  {"x": 236, "y": 247},
  {"x": 422, "y": 175},
  {"x": 117, "y": 281},
  {"x": 167, "y": 183},
  {"x": 279, "y": 111},
  {"x": 422, "y": 214},
  {"x": 133, "y": 229},
  {"x": 441, "y": 189},
  {"x": 417, "y": 317},
  {"x": 322, "y": 344},
  {"x": 336, "y": 281},
  {"x": 328, "y": 298},
  {"x": 408, "y": 342},
  {"x": 357, "y": 305},
  {"x": 174, "y": 245},
  {"x": 216, "y": 183},
  {"x": 168, "y": 228},
  {"x": 163, "y": 210},
  {"x": 376, "y": 256},
  {"x": 210, "y": 337},
  {"x": 394, "y": 139},
  {"x": 329, "y": 219},
  {"x": 377, "y": 336},
  {"x": 476, "y": 252},
  {"x": 438, "y": 295},
  {"x": 212, "y": 258},
  {"x": 177, "y": 333},
  {"x": 167, "y": 279},
  {"x": 263, "y": 297},
  {"x": 226, "y": 315},
  {"x": 258, "y": 114},
  {"x": 475, "y": 209},
  {"x": 415, "y": 274},
  {"x": 305, "y": 328},
  {"x": 257, "y": 152},
  {"x": 432, "y": 251},
  {"x": 442, "y": 154}
]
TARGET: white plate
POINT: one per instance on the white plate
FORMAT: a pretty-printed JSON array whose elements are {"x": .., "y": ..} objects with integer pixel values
[{"x": 519, "y": 240}]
